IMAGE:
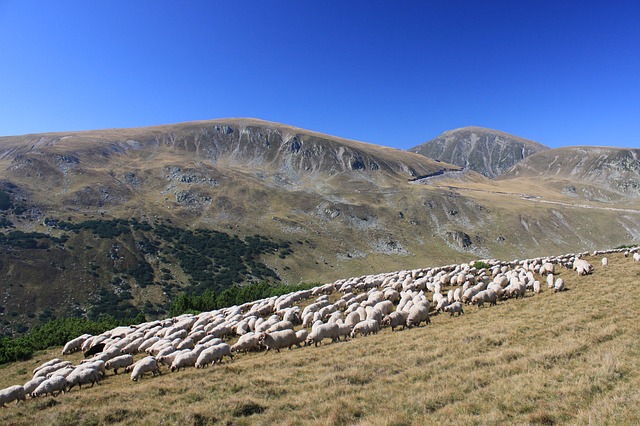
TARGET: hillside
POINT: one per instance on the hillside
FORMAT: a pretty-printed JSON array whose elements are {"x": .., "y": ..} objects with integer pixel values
[
  {"x": 122, "y": 221},
  {"x": 575, "y": 364},
  {"x": 601, "y": 174},
  {"x": 486, "y": 151}
]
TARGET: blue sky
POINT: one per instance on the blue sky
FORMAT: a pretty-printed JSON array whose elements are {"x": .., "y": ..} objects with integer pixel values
[{"x": 394, "y": 73}]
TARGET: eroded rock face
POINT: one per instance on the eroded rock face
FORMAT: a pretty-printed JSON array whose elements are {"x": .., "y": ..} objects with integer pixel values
[{"x": 488, "y": 152}]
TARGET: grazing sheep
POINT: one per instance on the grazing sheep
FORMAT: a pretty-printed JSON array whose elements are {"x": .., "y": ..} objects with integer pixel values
[
  {"x": 419, "y": 313},
  {"x": 636, "y": 257},
  {"x": 550, "y": 280},
  {"x": 365, "y": 328},
  {"x": 32, "y": 384},
  {"x": 82, "y": 376},
  {"x": 121, "y": 361},
  {"x": 74, "y": 345},
  {"x": 184, "y": 359},
  {"x": 213, "y": 354},
  {"x": 145, "y": 365},
  {"x": 396, "y": 319},
  {"x": 247, "y": 342},
  {"x": 50, "y": 369},
  {"x": 12, "y": 393},
  {"x": 559, "y": 285},
  {"x": 47, "y": 364},
  {"x": 322, "y": 332},
  {"x": 344, "y": 330},
  {"x": 279, "y": 339},
  {"x": 485, "y": 296},
  {"x": 605, "y": 262},
  {"x": 301, "y": 337},
  {"x": 536, "y": 287},
  {"x": 455, "y": 307},
  {"x": 55, "y": 383}
]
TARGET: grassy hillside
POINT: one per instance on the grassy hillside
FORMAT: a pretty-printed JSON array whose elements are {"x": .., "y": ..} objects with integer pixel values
[
  {"x": 563, "y": 358},
  {"x": 346, "y": 208}
]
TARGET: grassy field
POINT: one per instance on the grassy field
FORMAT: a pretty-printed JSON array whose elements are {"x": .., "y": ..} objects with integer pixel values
[{"x": 564, "y": 358}]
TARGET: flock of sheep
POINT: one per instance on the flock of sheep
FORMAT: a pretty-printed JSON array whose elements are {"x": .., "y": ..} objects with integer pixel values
[{"x": 365, "y": 304}]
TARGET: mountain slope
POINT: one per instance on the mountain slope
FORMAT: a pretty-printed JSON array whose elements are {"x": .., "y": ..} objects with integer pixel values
[
  {"x": 594, "y": 173},
  {"x": 123, "y": 220},
  {"x": 488, "y": 152}
]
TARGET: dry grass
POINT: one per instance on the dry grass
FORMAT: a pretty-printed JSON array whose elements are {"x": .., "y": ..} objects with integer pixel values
[{"x": 566, "y": 358}]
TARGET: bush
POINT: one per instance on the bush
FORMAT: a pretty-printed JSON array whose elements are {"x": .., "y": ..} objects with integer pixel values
[{"x": 54, "y": 333}]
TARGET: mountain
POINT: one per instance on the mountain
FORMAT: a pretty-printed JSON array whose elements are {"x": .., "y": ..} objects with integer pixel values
[
  {"x": 122, "y": 221},
  {"x": 594, "y": 173},
  {"x": 488, "y": 152}
]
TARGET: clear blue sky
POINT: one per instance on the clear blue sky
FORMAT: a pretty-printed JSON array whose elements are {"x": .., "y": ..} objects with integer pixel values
[{"x": 394, "y": 73}]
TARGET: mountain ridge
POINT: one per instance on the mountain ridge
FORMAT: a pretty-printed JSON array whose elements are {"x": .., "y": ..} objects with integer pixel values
[{"x": 486, "y": 151}]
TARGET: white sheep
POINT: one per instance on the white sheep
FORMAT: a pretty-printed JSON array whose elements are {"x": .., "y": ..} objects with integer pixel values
[
  {"x": 396, "y": 319},
  {"x": 301, "y": 337},
  {"x": 213, "y": 354},
  {"x": 145, "y": 365},
  {"x": 279, "y": 339},
  {"x": 52, "y": 385},
  {"x": 74, "y": 345},
  {"x": 322, "y": 332},
  {"x": 32, "y": 384},
  {"x": 419, "y": 313},
  {"x": 81, "y": 376},
  {"x": 636, "y": 257},
  {"x": 47, "y": 364},
  {"x": 365, "y": 328},
  {"x": 559, "y": 285},
  {"x": 247, "y": 342},
  {"x": 455, "y": 307},
  {"x": 184, "y": 359},
  {"x": 605, "y": 262},
  {"x": 550, "y": 280},
  {"x": 12, "y": 393},
  {"x": 121, "y": 361}
]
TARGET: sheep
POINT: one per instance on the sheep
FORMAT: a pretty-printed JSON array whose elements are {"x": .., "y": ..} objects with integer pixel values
[
  {"x": 213, "y": 354},
  {"x": 12, "y": 393},
  {"x": 74, "y": 345},
  {"x": 185, "y": 359},
  {"x": 32, "y": 384},
  {"x": 50, "y": 369},
  {"x": 323, "y": 331},
  {"x": 353, "y": 318},
  {"x": 64, "y": 372},
  {"x": 301, "y": 337},
  {"x": 247, "y": 342},
  {"x": 365, "y": 328},
  {"x": 396, "y": 319},
  {"x": 605, "y": 262},
  {"x": 145, "y": 365},
  {"x": 485, "y": 296},
  {"x": 56, "y": 383},
  {"x": 279, "y": 326},
  {"x": 47, "y": 364},
  {"x": 121, "y": 361},
  {"x": 279, "y": 339},
  {"x": 559, "y": 285},
  {"x": 550, "y": 280},
  {"x": 96, "y": 365},
  {"x": 418, "y": 314},
  {"x": 455, "y": 307},
  {"x": 536, "y": 287},
  {"x": 81, "y": 376},
  {"x": 95, "y": 349},
  {"x": 344, "y": 330},
  {"x": 636, "y": 257}
]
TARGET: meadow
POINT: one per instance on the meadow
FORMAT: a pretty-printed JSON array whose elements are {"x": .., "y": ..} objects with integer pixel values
[{"x": 553, "y": 358}]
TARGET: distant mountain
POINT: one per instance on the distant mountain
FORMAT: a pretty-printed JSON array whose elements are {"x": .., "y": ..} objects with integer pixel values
[
  {"x": 488, "y": 152},
  {"x": 594, "y": 173}
]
